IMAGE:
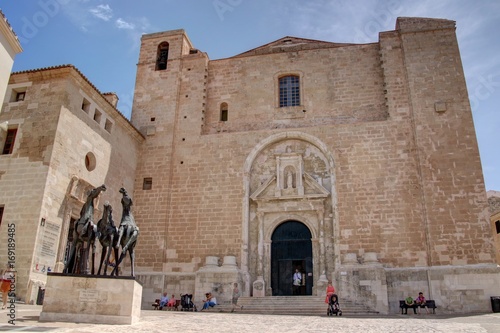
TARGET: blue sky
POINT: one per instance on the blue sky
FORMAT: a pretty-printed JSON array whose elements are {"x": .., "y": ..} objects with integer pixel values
[{"x": 102, "y": 39}]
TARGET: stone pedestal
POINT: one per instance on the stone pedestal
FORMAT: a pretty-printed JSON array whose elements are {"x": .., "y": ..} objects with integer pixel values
[
  {"x": 218, "y": 280},
  {"x": 321, "y": 285},
  {"x": 259, "y": 287},
  {"x": 91, "y": 299}
]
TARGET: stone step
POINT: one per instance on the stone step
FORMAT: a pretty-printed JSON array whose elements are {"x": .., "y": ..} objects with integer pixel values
[{"x": 292, "y": 305}]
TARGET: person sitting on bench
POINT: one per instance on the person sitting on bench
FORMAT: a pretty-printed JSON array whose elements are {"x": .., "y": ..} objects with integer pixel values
[
  {"x": 421, "y": 302},
  {"x": 409, "y": 303},
  {"x": 171, "y": 303},
  {"x": 164, "y": 300}
]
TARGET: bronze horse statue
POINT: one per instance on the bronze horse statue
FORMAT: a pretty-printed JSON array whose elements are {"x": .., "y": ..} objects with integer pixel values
[
  {"x": 127, "y": 232},
  {"x": 108, "y": 237},
  {"x": 84, "y": 231}
]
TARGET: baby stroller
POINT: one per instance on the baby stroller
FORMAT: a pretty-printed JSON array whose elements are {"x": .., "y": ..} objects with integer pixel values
[
  {"x": 187, "y": 303},
  {"x": 333, "y": 306}
]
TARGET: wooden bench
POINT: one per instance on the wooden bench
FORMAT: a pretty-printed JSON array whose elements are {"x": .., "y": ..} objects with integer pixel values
[{"x": 430, "y": 304}]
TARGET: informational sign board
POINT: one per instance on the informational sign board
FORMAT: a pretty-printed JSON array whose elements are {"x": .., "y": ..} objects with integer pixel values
[{"x": 46, "y": 249}]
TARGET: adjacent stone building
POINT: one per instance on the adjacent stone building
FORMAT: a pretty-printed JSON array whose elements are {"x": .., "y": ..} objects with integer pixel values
[
  {"x": 356, "y": 163},
  {"x": 68, "y": 138},
  {"x": 9, "y": 48},
  {"x": 494, "y": 203}
]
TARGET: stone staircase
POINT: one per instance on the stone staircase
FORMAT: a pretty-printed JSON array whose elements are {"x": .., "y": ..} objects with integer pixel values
[{"x": 293, "y": 305}]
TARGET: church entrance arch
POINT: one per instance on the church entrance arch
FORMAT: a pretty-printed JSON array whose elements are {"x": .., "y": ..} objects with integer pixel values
[{"x": 291, "y": 250}]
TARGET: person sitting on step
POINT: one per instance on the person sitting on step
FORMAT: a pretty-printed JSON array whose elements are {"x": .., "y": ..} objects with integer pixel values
[{"x": 209, "y": 301}]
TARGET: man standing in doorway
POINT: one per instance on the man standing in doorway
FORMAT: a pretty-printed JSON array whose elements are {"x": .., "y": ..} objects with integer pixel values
[{"x": 297, "y": 281}]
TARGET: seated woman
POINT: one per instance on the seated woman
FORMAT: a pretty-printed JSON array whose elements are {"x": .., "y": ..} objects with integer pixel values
[
  {"x": 421, "y": 302},
  {"x": 209, "y": 301},
  {"x": 171, "y": 302}
]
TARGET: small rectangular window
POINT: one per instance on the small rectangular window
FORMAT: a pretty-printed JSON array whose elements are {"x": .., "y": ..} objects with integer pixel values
[
  {"x": 108, "y": 125},
  {"x": 147, "y": 183},
  {"x": 1, "y": 214},
  {"x": 9, "y": 141},
  {"x": 97, "y": 116},
  {"x": 223, "y": 115},
  {"x": 86, "y": 105},
  {"x": 20, "y": 96},
  {"x": 17, "y": 94},
  {"x": 497, "y": 225}
]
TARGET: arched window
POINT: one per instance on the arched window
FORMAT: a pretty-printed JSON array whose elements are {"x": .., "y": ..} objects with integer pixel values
[
  {"x": 223, "y": 112},
  {"x": 289, "y": 91},
  {"x": 162, "y": 56}
]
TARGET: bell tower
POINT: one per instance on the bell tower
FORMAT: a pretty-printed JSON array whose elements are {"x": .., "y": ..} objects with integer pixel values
[{"x": 168, "y": 110}]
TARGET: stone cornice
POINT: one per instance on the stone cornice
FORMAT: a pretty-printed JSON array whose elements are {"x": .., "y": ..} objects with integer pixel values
[{"x": 9, "y": 34}]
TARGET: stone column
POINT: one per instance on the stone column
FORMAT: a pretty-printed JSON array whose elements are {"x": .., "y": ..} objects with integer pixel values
[
  {"x": 321, "y": 215},
  {"x": 259, "y": 286},
  {"x": 260, "y": 245},
  {"x": 323, "y": 280}
]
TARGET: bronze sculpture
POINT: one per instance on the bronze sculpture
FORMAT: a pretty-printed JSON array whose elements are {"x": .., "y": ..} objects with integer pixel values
[
  {"x": 108, "y": 237},
  {"x": 84, "y": 231},
  {"x": 127, "y": 232}
]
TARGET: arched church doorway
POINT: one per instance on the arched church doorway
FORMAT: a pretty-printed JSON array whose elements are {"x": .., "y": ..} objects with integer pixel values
[{"x": 291, "y": 249}]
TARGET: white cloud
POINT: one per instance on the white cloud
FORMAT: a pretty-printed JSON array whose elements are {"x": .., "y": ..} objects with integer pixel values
[
  {"x": 122, "y": 24},
  {"x": 104, "y": 12}
]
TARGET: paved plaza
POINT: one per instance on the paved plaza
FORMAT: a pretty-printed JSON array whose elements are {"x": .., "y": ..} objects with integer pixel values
[{"x": 177, "y": 321}]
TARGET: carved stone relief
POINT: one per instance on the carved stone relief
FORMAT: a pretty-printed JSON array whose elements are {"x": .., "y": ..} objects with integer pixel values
[{"x": 289, "y": 180}]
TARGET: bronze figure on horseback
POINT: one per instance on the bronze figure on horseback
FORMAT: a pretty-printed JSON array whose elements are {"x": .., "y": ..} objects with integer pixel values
[
  {"x": 85, "y": 231},
  {"x": 108, "y": 237},
  {"x": 127, "y": 232}
]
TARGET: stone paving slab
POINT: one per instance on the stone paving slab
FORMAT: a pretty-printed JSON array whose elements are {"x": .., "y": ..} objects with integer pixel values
[{"x": 177, "y": 321}]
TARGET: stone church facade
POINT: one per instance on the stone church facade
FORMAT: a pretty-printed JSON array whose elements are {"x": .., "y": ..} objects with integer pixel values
[{"x": 356, "y": 163}]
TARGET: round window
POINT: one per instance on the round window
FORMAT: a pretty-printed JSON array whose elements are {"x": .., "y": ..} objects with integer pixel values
[{"x": 90, "y": 161}]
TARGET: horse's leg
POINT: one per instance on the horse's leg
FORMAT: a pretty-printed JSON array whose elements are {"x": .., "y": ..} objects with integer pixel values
[
  {"x": 78, "y": 259},
  {"x": 103, "y": 254},
  {"x": 92, "y": 243},
  {"x": 85, "y": 261},
  {"x": 116, "y": 260},
  {"x": 84, "y": 258},
  {"x": 120, "y": 235},
  {"x": 110, "y": 238},
  {"x": 132, "y": 259},
  {"x": 68, "y": 269},
  {"x": 123, "y": 254},
  {"x": 131, "y": 240},
  {"x": 107, "y": 259}
]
